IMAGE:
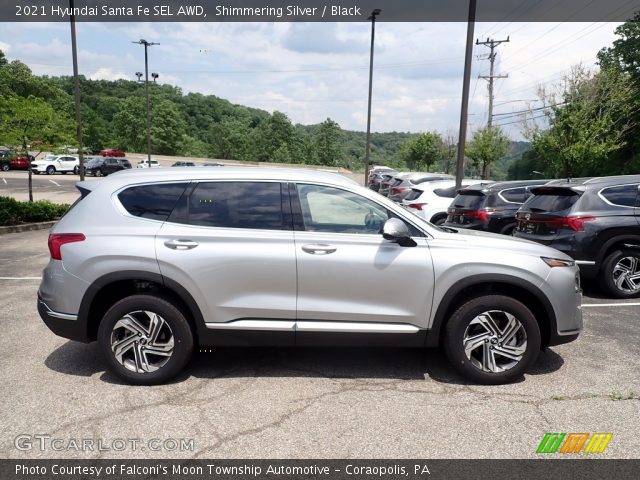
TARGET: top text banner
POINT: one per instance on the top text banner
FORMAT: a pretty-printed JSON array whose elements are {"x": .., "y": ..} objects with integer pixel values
[{"x": 317, "y": 10}]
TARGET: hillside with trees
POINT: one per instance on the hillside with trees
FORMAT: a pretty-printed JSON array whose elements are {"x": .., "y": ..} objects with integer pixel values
[{"x": 197, "y": 125}]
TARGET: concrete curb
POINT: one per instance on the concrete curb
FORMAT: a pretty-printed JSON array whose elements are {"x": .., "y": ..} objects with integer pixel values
[{"x": 27, "y": 227}]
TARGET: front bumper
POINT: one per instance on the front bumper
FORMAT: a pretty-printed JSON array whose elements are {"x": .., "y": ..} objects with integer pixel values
[{"x": 62, "y": 324}]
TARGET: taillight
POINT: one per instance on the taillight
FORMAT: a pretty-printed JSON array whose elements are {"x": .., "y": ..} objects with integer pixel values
[
  {"x": 56, "y": 240},
  {"x": 417, "y": 206},
  {"x": 397, "y": 190},
  {"x": 482, "y": 215},
  {"x": 577, "y": 223},
  {"x": 574, "y": 223}
]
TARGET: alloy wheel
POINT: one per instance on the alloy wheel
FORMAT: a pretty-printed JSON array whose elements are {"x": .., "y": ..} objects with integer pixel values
[
  {"x": 495, "y": 341},
  {"x": 626, "y": 274},
  {"x": 142, "y": 341}
]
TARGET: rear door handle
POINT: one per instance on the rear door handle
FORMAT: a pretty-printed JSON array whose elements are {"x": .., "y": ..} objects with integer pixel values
[
  {"x": 319, "y": 249},
  {"x": 181, "y": 244}
]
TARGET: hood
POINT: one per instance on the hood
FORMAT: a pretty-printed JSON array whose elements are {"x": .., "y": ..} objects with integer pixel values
[{"x": 502, "y": 242}]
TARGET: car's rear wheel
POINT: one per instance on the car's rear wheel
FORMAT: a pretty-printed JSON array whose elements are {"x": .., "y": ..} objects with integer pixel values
[
  {"x": 145, "y": 339},
  {"x": 508, "y": 230},
  {"x": 620, "y": 275},
  {"x": 76, "y": 170},
  {"x": 51, "y": 170},
  {"x": 439, "y": 220},
  {"x": 492, "y": 339},
  {"x": 5, "y": 167}
]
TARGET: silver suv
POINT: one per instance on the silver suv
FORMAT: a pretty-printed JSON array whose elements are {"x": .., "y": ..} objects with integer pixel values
[{"x": 153, "y": 263}]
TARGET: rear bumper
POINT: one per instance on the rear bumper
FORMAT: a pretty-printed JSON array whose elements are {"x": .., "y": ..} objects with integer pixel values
[{"x": 62, "y": 324}]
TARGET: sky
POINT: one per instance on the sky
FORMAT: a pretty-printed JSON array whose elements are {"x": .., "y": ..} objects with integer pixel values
[{"x": 312, "y": 71}]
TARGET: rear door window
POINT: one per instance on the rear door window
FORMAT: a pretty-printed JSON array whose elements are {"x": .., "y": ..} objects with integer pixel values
[
  {"x": 253, "y": 205},
  {"x": 154, "y": 201}
]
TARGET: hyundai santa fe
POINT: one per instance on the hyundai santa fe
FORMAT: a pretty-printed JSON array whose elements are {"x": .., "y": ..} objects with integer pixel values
[{"x": 180, "y": 258}]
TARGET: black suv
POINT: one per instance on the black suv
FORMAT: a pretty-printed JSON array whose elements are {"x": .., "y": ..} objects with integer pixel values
[
  {"x": 491, "y": 208},
  {"x": 99, "y": 167},
  {"x": 596, "y": 221}
]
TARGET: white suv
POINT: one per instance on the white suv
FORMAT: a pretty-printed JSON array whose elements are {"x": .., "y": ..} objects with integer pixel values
[
  {"x": 52, "y": 164},
  {"x": 431, "y": 200}
]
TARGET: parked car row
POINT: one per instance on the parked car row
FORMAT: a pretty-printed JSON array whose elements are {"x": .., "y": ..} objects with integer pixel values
[{"x": 596, "y": 221}]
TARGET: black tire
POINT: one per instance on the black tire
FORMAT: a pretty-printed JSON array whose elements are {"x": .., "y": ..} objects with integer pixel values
[
  {"x": 508, "y": 230},
  {"x": 51, "y": 170},
  {"x": 439, "y": 220},
  {"x": 97, "y": 172},
  {"x": 609, "y": 273},
  {"x": 179, "y": 328},
  {"x": 456, "y": 329},
  {"x": 76, "y": 170},
  {"x": 5, "y": 167}
]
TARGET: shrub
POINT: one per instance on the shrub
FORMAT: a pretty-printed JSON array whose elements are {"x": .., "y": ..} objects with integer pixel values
[{"x": 13, "y": 211}]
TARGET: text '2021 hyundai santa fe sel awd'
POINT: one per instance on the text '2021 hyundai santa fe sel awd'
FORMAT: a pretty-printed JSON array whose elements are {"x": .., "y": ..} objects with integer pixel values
[{"x": 180, "y": 258}]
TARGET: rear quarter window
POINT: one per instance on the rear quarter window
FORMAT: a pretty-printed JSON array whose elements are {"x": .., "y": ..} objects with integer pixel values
[
  {"x": 446, "y": 192},
  {"x": 621, "y": 195},
  {"x": 155, "y": 201},
  {"x": 513, "y": 195}
]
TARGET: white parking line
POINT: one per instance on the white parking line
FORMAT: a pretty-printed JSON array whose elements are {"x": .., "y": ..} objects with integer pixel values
[
  {"x": 636, "y": 304},
  {"x": 4, "y": 180},
  {"x": 20, "y": 278},
  {"x": 55, "y": 183}
]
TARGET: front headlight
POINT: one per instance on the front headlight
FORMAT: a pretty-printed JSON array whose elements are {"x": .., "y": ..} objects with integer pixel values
[{"x": 556, "y": 262}]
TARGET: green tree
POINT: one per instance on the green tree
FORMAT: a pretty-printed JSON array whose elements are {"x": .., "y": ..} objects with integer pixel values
[
  {"x": 31, "y": 120},
  {"x": 487, "y": 146},
  {"x": 327, "y": 144},
  {"x": 3, "y": 59},
  {"x": 230, "y": 139},
  {"x": 422, "y": 151},
  {"x": 590, "y": 120}
]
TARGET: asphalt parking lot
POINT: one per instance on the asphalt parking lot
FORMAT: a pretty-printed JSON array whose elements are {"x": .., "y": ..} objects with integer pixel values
[{"x": 307, "y": 403}]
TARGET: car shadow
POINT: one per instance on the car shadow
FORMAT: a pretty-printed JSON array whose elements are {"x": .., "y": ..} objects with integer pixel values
[{"x": 79, "y": 359}]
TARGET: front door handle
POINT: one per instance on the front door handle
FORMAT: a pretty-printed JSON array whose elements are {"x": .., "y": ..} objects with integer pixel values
[
  {"x": 181, "y": 244},
  {"x": 319, "y": 249}
]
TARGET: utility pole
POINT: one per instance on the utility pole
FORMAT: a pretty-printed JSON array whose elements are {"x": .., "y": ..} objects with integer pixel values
[
  {"x": 76, "y": 92},
  {"x": 462, "y": 133},
  {"x": 372, "y": 17},
  {"x": 146, "y": 92},
  {"x": 492, "y": 44}
]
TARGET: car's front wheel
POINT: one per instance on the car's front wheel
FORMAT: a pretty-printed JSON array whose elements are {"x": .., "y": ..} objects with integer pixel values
[
  {"x": 621, "y": 273},
  {"x": 51, "y": 170},
  {"x": 76, "y": 170},
  {"x": 97, "y": 172},
  {"x": 145, "y": 339},
  {"x": 5, "y": 167},
  {"x": 492, "y": 339}
]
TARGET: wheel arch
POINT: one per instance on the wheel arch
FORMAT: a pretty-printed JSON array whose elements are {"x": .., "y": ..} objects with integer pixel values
[
  {"x": 491, "y": 284},
  {"x": 616, "y": 242},
  {"x": 110, "y": 288}
]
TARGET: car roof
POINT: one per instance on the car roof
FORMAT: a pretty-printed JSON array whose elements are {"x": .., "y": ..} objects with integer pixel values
[
  {"x": 447, "y": 183},
  {"x": 497, "y": 186},
  {"x": 168, "y": 174},
  {"x": 595, "y": 182}
]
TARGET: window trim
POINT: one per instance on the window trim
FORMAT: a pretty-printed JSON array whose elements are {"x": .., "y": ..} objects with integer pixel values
[{"x": 605, "y": 200}]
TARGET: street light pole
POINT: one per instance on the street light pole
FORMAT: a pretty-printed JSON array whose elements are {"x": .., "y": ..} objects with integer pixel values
[
  {"x": 465, "y": 94},
  {"x": 372, "y": 17},
  {"x": 146, "y": 92}
]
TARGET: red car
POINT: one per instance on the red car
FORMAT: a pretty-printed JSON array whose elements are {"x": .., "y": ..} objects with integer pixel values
[
  {"x": 15, "y": 163},
  {"x": 112, "y": 152}
]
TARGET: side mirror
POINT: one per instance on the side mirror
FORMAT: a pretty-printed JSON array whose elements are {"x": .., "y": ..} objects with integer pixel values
[{"x": 397, "y": 231}]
